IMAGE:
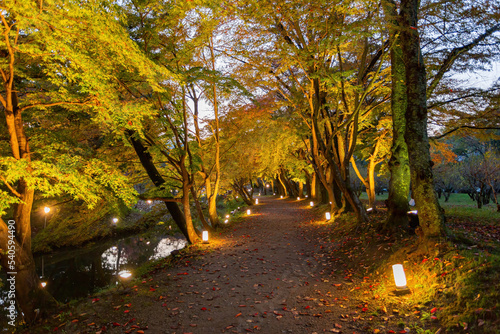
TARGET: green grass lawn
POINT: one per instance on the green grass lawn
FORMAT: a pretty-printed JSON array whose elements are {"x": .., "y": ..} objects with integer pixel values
[{"x": 460, "y": 206}]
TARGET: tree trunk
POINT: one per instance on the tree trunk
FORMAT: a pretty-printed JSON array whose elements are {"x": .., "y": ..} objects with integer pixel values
[
  {"x": 30, "y": 297},
  {"x": 399, "y": 184},
  {"x": 29, "y": 294},
  {"x": 430, "y": 214},
  {"x": 301, "y": 189},
  {"x": 205, "y": 224},
  {"x": 192, "y": 235},
  {"x": 212, "y": 203},
  {"x": 157, "y": 179},
  {"x": 282, "y": 184},
  {"x": 314, "y": 188}
]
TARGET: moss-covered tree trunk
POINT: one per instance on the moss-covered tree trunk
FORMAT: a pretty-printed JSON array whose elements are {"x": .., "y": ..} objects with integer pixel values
[
  {"x": 430, "y": 214},
  {"x": 399, "y": 184}
]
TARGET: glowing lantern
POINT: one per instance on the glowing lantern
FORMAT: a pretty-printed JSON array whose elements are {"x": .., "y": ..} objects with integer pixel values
[
  {"x": 248, "y": 212},
  {"x": 412, "y": 212},
  {"x": 43, "y": 284},
  {"x": 311, "y": 203},
  {"x": 46, "y": 209},
  {"x": 399, "y": 276},
  {"x": 227, "y": 216},
  {"x": 124, "y": 274},
  {"x": 298, "y": 198},
  {"x": 150, "y": 201},
  {"x": 369, "y": 209},
  {"x": 204, "y": 236},
  {"x": 226, "y": 221},
  {"x": 281, "y": 196},
  {"x": 328, "y": 216},
  {"x": 257, "y": 200},
  {"x": 115, "y": 220}
]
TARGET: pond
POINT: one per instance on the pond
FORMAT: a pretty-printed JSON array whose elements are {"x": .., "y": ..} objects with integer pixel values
[{"x": 78, "y": 273}]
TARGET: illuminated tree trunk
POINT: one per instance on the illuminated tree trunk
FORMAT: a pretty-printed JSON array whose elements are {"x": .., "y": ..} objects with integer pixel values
[
  {"x": 205, "y": 224},
  {"x": 399, "y": 184},
  {"x": 430, "y": 214},
  {"x": 29, "y": 294},
  {"x": 314, "y": 187},
  {"x": 186, "y": 186}
]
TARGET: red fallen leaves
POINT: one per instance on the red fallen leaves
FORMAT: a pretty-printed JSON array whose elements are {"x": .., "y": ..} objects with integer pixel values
[
  {"x": 433, "y": 310},
  {"x": 95, "y": 300},
  {"x": 391, "y": 331},
  {"x": 183, "y": 274},
  {"x": 364, "y": 309},
  {"x": 115, "y": 324},
  {"x": 236, "y": 316},
  {"x": 203, "y": 308}
]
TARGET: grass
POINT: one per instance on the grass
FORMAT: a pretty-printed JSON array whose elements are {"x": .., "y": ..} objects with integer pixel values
[
  {"x": 458, "y": 205},
  {"x": 454, "y": 284}
]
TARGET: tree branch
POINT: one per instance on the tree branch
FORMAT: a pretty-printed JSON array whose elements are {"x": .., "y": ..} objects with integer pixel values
[
  {"x": 453, "y": 56},
  {"x": 465, "y": 127}
]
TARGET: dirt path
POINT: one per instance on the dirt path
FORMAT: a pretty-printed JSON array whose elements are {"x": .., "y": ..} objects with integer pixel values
[{"x": 267, "y": 275}]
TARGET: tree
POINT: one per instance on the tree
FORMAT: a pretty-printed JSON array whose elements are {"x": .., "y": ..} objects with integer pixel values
[
  {"x": 328, "y": 71},
  {"x": 431, "y": 217},
  {"x": 51, "y": 63}
]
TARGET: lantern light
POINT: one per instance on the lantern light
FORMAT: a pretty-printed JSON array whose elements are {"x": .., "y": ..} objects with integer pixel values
[
  {"x": 399, "y": 276},
  {"x": 369, "y": 209},
  {"x": 307, "y": 196},
  {"x": 248, "y": 212},
  {"x": 267, "y": 185},
  {"x": 204, "y": 237},
  {"x": 311, "y": 203},
  {"x": 281, "y": 196},
  {"x": 149, "y": 201},
  {"x": 43, "y": 284},
  {"x": 412, "y": 212},
  {"x": 237, "y": 197},
  {"x": 46, "y": 210},
  {"x": 298, "y": 198},
  {"x": 115, "y": 220},
  {"x": 124, "y": 274},
  {"x": 328, "y": 216},
  {"x": 226, "y": 221},
  {"x": 227, "y": 216}
]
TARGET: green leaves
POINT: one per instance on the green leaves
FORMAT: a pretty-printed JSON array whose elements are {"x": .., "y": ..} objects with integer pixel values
[{"x": 88, "y": 180}]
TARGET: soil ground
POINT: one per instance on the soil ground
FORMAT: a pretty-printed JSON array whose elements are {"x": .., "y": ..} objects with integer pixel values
[{"x": 275, "y": 271}]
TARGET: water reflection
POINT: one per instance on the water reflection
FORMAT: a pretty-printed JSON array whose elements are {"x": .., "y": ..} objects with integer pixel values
[
  {"x": 71, "y": 276},
  {"x": 79, "y": 273}
]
